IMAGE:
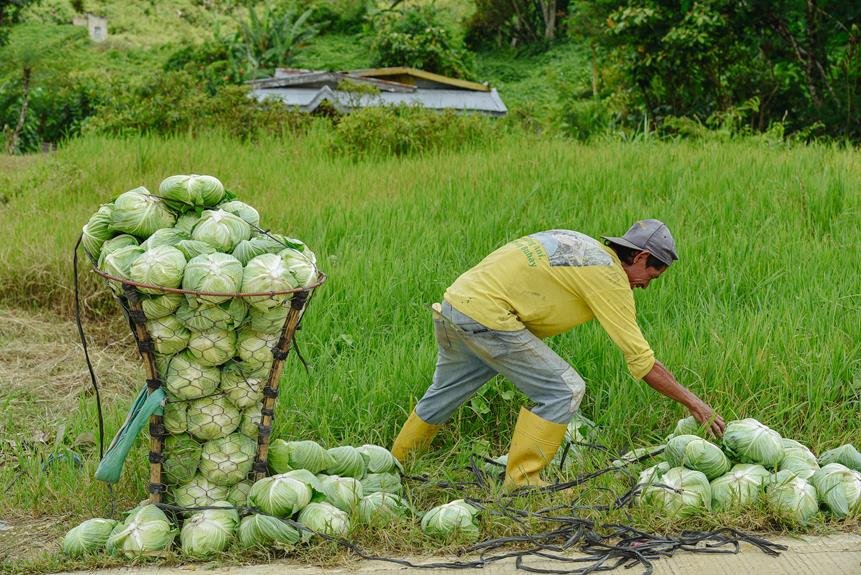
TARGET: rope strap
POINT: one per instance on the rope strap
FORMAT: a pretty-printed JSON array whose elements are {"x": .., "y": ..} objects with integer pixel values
[
  {"x": 153, "y": 384},
  {"x": 263, "y": 431},
  {"x": 157, "y": 430},
  {"x": 279, "y": 354},
  {"x": 155, "y": 457},
  {"x": 260, "y": 466},
  {"x": 137, "y": 316},
  {"x": 146, "y": 346},
  {"x": 157, "y": 487},
  {"x": 269, "y": 392},
  {"x": 298, "y": 301},
  {"x": 267, "y": 411}
]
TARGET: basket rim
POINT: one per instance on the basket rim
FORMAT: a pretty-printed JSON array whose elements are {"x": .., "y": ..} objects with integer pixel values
[{"x": 321, "y": 278}]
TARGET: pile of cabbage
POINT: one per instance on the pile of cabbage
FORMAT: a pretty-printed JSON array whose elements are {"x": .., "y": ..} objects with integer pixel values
[
  {"x": 213, "y": 351},
  {"x": 753, "y": 464},
  {"x": 313, "y": 490}
]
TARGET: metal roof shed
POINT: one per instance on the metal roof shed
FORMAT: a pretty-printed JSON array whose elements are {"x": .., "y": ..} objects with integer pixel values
[{"x": 346, "y": 91}]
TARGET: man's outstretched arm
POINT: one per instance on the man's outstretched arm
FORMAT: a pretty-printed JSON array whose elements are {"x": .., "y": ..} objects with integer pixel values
[{"x": 662, "y": 381}]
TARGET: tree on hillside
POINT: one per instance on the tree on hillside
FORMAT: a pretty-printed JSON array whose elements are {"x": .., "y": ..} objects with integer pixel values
[
  {"x": 10, "y": 14},
  {"x": 513, "y": 22},
  {"x": 24, "y": 60},
  {"x": 792, "y": 61}
]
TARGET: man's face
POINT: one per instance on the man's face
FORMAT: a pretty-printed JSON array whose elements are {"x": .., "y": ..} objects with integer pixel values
[{"x": 639, "y": 273}]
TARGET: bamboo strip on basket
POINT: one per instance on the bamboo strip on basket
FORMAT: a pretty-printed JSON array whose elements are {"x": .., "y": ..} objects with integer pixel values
[
  {"x": 156, "y": 443},
  {"x": 297, "y": 305}
]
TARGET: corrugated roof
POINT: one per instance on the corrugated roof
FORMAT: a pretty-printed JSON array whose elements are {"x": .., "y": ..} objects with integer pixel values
[
  {"x": 307, "y": 89},
  {"x": 308, "y": 99}
]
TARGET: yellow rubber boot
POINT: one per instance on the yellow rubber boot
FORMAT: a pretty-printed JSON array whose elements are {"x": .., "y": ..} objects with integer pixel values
[
  {"x": 533, "y": 445},
  {"x": 415, "y": 434}
]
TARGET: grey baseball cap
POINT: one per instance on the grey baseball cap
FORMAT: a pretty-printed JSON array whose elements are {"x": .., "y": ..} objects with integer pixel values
[{"x": 652, "y": 236}]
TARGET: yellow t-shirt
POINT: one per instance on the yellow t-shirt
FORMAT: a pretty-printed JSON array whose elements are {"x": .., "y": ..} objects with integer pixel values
[{"x": 550, "y": 282}]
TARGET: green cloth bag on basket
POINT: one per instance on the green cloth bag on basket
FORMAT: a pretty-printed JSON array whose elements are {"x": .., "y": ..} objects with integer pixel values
[{"x": 111, "y": 466}]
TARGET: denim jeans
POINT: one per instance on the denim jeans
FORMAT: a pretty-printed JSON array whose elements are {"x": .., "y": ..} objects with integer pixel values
[{"x": 471, "y": 353}]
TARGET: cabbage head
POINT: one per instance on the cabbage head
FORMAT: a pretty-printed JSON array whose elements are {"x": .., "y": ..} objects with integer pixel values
[
  {"x": 238, "y": 494},
  {"x": 388, "y": 482},
  {"x": 674, "y": 453},
  {"x": 227, "y": 315},
  {"x": 798, "y": 459},
  {"x": 267, "y": 273},
  {"x": 704, "y": 456},
  {"x": 186, "y": 223},
  {"x": 270, "y": 322},
  {"x": 749, "y": 441},
  {"x": 227, "y": 460},
  {"x": 255, "y": 349},
  {"x": 455, "y": 519},
  {"x": 209, "y": 531},
  {"x": 243, "y": 389},
  {"x": 251, "y": 419},
  {"x": 157, "y": 306},
  {"x": 165, "y": 237},
  {"x": 222, "y": 230},
  {"x": 681, "y": 492},
  {"x": 286, "y": 456},
  {"x": 118, "y": 262},
  {"x": 739, "y": 487},
  {"x": 186, "y": 378},
  {"x": 212, "y": 347},
  {"x": 139, "y": 213},
  {"x": 242, "y": 210},
  {"x": 653, "y": 474},
  {"x": 181, "y": 458},
  {"x": 380, "y": 509},
  {"x": 792, "y": 496},
  {"x": 265, "y": 531},
  {"x": 175, "y": 418},
  {"x": 145, "y": 533},
  {"x": 342, "y": 492},
  {"x": 325, "y": 518},
  {"x": 198, "y": 492},
  {"x": 212, "y": 417},
  {"x": 845, "y": 455},
  {"x": 346, "y": 462},
  {"x": 839, "y": 488},
  {"x": 216, "y": 273},
  {"x": 686, "y": 426},
  {"x": 168, "y": 335},
  {"x": 193, "y": 248},
  {"x": 113, "y": 244},
  {"x": 279, "y": 496},
  {"x": 247, "y": 250},
  {"x": 183, "y": 192},
  {"x": 379, "y": 459},
  {"x": 88, "y": 537},
  {"x": 97, "y": 231},
  {"x": 303, "y": 270},
  {"x": 312, "y": 481}
]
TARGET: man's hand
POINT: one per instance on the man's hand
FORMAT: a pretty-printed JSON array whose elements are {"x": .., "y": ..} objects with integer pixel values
[
  {"x": 705, "y": 415},
  {"x": 662, "y": 381}
]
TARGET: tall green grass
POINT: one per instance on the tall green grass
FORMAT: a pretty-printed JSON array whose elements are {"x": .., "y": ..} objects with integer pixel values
[{"x": 760, "y": 316}]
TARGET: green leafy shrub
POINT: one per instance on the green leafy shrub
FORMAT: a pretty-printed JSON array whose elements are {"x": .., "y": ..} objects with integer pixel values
[
  {"x": 176, "y": 102},
  {"x": 339, "y": 16},
  {"x": 404, "y": 130},
  {"x": 417, "y": 38}
]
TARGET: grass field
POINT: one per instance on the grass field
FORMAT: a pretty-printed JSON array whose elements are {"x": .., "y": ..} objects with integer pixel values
[{"x": 760, "y": 316}]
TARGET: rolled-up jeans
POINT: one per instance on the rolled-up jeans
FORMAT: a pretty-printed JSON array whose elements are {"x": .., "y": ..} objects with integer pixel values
[{"x": 470, "y": 354}]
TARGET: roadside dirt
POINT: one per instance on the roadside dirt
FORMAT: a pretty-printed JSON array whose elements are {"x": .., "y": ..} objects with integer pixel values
[{"x": 831, "y": 555}]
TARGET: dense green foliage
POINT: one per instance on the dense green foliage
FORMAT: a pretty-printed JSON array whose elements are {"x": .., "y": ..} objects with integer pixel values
[
  {"x": 418, "y": 38},
  {"x": 746, "y": 64}
]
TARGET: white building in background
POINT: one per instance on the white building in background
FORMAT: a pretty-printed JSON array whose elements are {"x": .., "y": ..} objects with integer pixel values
[{"x": 96, "y": 26}]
